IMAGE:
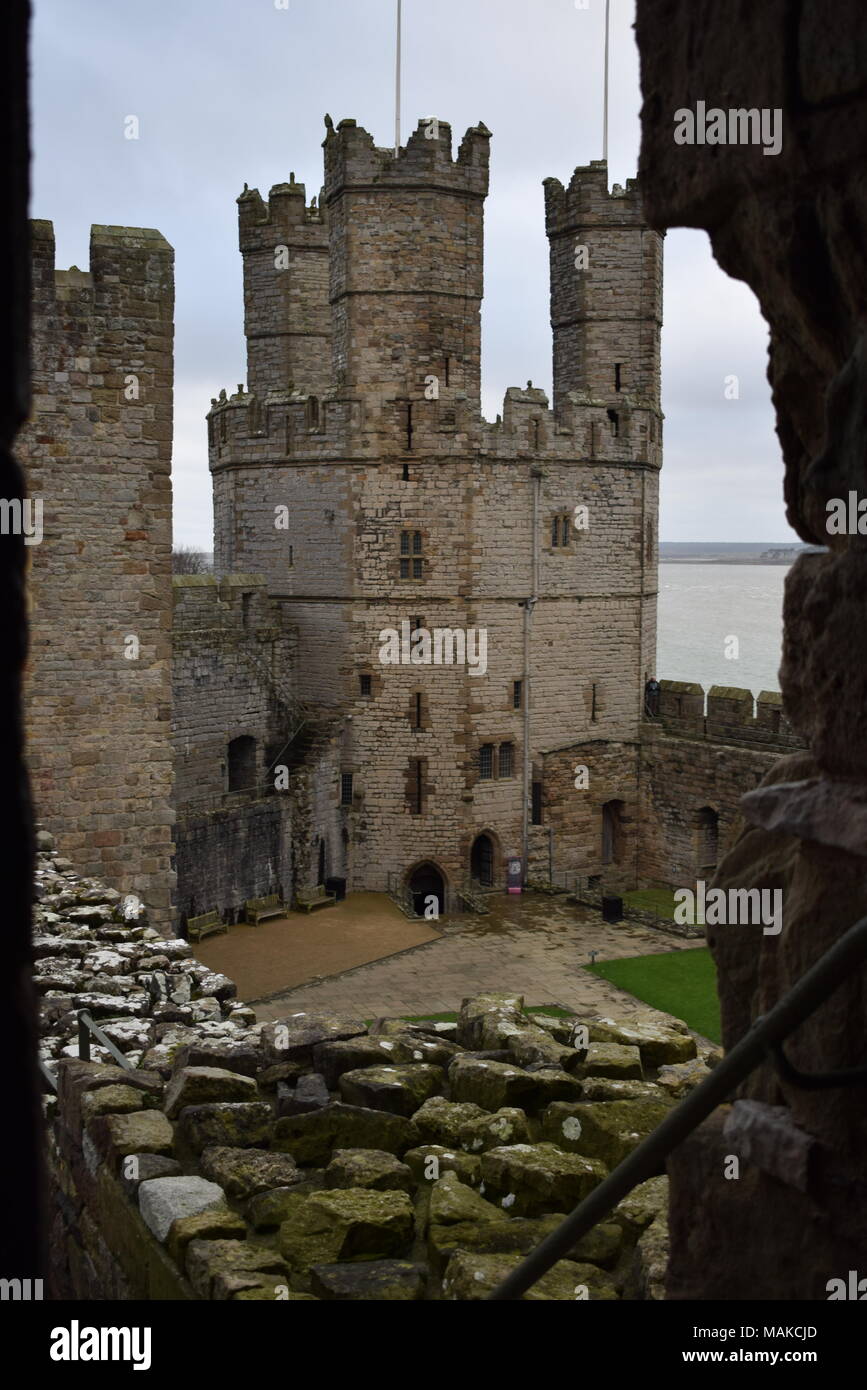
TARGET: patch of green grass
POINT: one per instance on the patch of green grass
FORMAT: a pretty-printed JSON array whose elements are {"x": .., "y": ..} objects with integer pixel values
[
  {"x": 658, "y": 900},
  {"x": 682, "y": 983}
]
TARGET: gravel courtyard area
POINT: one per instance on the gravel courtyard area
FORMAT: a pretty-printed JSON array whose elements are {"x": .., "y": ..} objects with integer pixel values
[{"x": 532, "y": 945}]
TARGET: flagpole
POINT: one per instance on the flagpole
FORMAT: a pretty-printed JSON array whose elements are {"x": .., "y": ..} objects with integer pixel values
[
  {"x": 605, "y": 96},
  {"x": 397, "y": 85}
]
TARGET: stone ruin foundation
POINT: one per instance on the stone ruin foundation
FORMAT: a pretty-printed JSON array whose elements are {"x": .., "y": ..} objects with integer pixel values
[{"x": 330, "y": 1158}]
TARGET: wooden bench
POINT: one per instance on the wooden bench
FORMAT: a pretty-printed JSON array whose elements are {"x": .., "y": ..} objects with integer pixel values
[
  {"x": 204, "y": 925},
  {"x": 308, "y": 899},
  {"x": 256, "y": 909}
]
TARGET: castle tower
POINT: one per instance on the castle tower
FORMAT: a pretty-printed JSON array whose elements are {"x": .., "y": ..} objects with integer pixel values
[
  {"x": 406, "y": 259},
  {"x": 287, "y": 321},
  {"x": 606, "y": 290},
  {"x": 406, "y": 510},
  {"x": 97, "y": 454}
]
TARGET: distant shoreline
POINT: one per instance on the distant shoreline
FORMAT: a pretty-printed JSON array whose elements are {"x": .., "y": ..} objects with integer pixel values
[{"x": 723, "y": 560}]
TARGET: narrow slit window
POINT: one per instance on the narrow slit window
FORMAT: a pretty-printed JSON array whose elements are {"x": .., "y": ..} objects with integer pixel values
[
  {"x": 416, "y": 786},
  {"x": 617, "y": 375},
  {"x": 365, "y": 683},
  {"x": 517, "y": 694},
  {"x": 346, "y": 789}
]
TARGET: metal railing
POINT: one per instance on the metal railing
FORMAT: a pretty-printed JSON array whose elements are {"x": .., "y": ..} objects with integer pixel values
[
  {"x": 765, "y": 1038},
  {"x": 86, "y": 1027},
  {"x": 400, "y": 895},
  {"x": 471, "y": 898}
]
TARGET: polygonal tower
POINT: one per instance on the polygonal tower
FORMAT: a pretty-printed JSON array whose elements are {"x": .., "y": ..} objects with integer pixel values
[{"x": 378, "y": 501}]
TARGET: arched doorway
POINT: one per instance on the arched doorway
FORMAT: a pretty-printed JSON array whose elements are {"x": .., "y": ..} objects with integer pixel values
[
  {"x": 426, "y": 882},
  {"x": 482, "y": 861},
  {"x": 707, "y": 833}
]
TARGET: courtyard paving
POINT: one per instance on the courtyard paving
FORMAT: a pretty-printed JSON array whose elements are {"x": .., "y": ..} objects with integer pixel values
[
  {"x": 531, "y": 945},
  {"x": 304, "y": 946}
]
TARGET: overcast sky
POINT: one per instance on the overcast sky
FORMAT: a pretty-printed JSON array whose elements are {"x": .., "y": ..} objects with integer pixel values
[{"x": 234, "y": 91}]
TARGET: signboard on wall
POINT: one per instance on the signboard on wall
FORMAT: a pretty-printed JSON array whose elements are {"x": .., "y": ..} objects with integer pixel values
[{"x": 514, "y": 875}]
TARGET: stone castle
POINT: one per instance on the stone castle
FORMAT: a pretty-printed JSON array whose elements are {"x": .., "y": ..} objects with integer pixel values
[{"x": 358, "y": 492}]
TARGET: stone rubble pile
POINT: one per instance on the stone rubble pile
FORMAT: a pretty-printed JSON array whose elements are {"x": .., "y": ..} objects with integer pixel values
[{"x": 321, "y": 1158}]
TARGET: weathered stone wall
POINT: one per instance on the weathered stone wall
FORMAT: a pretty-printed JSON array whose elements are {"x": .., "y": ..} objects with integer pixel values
[
  {"x": 22, "y": 1231},
  {"x": 397, "y": 444},
  {"x": 226, "y": 856},
  {"x": 286, "y": 317},
  {"x": 574, "y": 814},
  {"x": 97, "y": 453},
  {"x": 233, "y": 676},
  {"x": 607, "y": 320},
  {"x": 694, "y": 761},
  {"x": 318, "y": 1158},
  {"x": 793, "y": 227}
]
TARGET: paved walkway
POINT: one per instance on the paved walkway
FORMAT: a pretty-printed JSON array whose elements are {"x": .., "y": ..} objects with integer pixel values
[
  {"x": 535, "y": 946},
  {"x": 284, "y": 952}
]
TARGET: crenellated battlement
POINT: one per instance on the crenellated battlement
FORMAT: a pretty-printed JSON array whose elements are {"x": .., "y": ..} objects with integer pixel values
[
  {"x": 123, "y": 260},
  {"x": 725, "y": 714},
  {"x": 286, "y": 213},
  {"x": 587, "y": 201},
  {"x": 243, "y": 427},
  {"x": 352, "y": 160}
]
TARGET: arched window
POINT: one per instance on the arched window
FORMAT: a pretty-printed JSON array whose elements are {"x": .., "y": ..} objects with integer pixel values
[{"x": 242, "y": 763}]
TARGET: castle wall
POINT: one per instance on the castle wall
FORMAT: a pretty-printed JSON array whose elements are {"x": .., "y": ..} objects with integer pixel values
[
  {"x": 395, "y": 452},
  {"x": 607, "y": 771},
  {"x": 693, "y": 761},
  {"x": 226, "y": 856},
  {"x": 233, "y": 677},
  {"x": 97, "y": 453}
]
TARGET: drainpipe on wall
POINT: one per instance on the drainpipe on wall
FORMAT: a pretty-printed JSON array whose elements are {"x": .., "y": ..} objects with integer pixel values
[{"x": 529, "y": 604}]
